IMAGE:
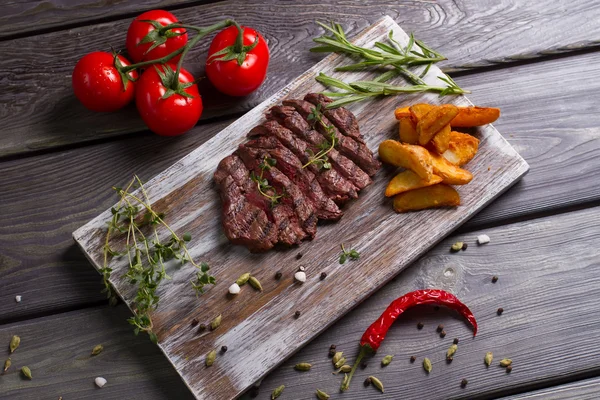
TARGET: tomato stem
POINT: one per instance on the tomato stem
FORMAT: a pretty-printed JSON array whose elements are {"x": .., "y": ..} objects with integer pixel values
[{"x": 239, "y": 40}]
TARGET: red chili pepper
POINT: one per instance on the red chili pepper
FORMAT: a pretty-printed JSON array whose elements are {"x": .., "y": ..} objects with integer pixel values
[{"x": 374, "y": 335}]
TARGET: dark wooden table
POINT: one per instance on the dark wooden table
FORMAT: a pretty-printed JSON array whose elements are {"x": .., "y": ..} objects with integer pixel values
[{"x": 536, "y": 60}]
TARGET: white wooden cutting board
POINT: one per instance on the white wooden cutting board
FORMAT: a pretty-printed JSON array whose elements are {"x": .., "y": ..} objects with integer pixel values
[{"x": 259, "y": 329}]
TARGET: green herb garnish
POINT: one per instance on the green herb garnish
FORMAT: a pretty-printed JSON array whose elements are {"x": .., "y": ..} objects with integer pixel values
[
  {"x": 262, "y": 184},
  {"x": 320, "y": 159},
  {"x": 351, "y": 254}
]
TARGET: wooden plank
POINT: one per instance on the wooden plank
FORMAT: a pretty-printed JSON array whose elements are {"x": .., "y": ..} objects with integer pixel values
[
  {"x": 548, "y": 278},
  {"x": 58, "y": 349},
  {"x": 587, "y": 389},
  {"x": 548, "y": 287},
  {"x": 35, "y": 246},
  {"x": 28, "y": 17},
  {"x": 261, "y": 329},
  {"x": 40, "y": 111}
]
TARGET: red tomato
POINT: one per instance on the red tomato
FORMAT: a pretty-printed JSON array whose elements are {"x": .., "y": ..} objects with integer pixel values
[
  {"x": 228, "y": 76},
  {"x": 98, "y": 85},
  {"x": 174, "y": 115},
  {"x": 138, "y": 30}
]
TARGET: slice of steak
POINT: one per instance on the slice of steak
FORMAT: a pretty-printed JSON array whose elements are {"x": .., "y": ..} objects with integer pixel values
[
  {"x": 357, "y": 152},
  {"x": 243, "y": 222},
  {"x": 292, "y": 194},
  {"x": 289, "y": 117},
  {"x": 343, "y": 119},
  {"x": 290, "y": 153}
]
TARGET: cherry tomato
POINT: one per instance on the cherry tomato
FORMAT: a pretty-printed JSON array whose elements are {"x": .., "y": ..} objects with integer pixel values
[
  {"x": 174, "y": 115},
  {"x": 174, "y": 38},
  {"x": 98, "y": 85},
  {"x": 228, "y": 76}
]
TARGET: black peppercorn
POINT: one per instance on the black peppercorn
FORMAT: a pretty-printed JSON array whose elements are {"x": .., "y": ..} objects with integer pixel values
[
  {"x": 297, "y": 314},
  {"x": 494, "y": 279},
  {"x": 298, "y": 256},
  {"x": 500, "y": 311},
  {"x": 465, "y": 245},
  {"x": 333, "y": 346},
  {"x": 509, "y": 369},
  {"x": 463, "y": 383},
  {"x": 331, "y": 352},
  {"x": 223, "y": 349},
  {"x": 449, "y": 359},
  {"x": 420, "y": 325},
  {"x": 413, "y": 359},
  {"x": 278, "y": 275},
  {"x": 440, "y": 327},
  {"x": 367, "y": 382},
  {"x": 443, "y": 334},
  {"x": 323, "y": 275},
  {"x": 195, "y": 322},
  {"x": 363, "y": 365},
  {"x": 455, "y": 341}
]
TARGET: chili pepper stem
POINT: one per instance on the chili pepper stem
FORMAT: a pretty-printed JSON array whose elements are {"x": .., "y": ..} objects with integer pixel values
[{"x": 364, "y": 351}]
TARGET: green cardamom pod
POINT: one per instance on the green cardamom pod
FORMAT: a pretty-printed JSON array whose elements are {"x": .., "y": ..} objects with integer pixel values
[
  {"x": 243, "y": 279},
  {"x": 377, "y": 383},
  {"x": 345, "y": 382},
  {"x": 451, "y": 351},
  {"x": 457, "y": 246},
  {"x": 321, "y": 395},
  {"x": 97, "y": 350},
  {"x": 27, "y": 372},
  {"x": 340, "y": 362},
  {"x": 302, "y": 367},
  {"x": 210, "y": 358},
  {"x": 386, "y": 360},
  {"x": 14, "y": 343},
  {"x": 505, "y": 362},
  {"x": 7, "y": 364},
  {"x": 427, "y": 365},
  {"x": 336, "y": 357},
  {"x": 489, "y": 357},
  {"x": 215, "y": 323},
  {"x": 277, "y": 392},
  {"x": 255, "y": 283},
  {"x": 346, "y": 368}
]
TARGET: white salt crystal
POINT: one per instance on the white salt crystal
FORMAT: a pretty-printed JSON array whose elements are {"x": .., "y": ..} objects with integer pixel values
[
  {"x": 100, "y": 381},
  {"x": 483, "y": 239}
]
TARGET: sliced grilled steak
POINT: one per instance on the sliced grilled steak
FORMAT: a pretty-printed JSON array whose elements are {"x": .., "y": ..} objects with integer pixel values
[
  {"x": 357, "y": 152},
  {"x": 292, "y": 194},
  {"x": 244, "y": 222},
  {"x": 323, "y": 187},
  {"x": 343, "y": 119},
  {"x": 289, "y": 117}
]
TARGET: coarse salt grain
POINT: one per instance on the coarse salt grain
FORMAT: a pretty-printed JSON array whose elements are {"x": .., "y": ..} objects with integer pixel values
[
  {"x": 18, "y": 299},
  {"x": 100, "y": 382},
  {"x": 300, "y": 276},
  {"x": 483, "y": 239},
  {"x": 234, "y": 288}
]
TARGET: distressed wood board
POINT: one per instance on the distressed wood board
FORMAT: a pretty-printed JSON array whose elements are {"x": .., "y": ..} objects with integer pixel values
[{"x": 259, "y": 328}]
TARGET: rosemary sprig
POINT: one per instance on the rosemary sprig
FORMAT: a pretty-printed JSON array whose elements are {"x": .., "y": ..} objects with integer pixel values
[
  {"x": 146, "y": 254},
  {"x": 262, "y": 184},
  {"x": 321, "y": 160}
]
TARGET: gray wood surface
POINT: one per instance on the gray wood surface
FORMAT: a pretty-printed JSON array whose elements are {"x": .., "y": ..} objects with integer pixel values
[
  {"x": 35, "y": 242},
  {"x": 587, "y": 389},
  {"x": 260, "y": 329},
  {"x": 548, "y": 272},
  {"x": 548, "y": 278},
  {"x": 40, "y": 111}
]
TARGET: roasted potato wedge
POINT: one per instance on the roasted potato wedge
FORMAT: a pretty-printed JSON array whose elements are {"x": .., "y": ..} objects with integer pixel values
[
  {"x": 408, "y": 131},
  {"x": 418, "y": 111},
  {"x": 408, "y": 180},
  {"x": 439, "y": 195},
  {"x": 402, "y": 112},
  {"x": 415, "y": 158},
  {"x": 441, "y": 140},
  {"x": 450, "y": 173},
  {"x": 468, "y": 117},
  {"x": 434, "y": 121},
  {"x": 461, "y": 149}
]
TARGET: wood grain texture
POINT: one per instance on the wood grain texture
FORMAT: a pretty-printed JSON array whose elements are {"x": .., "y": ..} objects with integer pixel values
[
  {"x": 548, "y": 285},
  {"x": 548, "y": 277},
  {"x": 35, "y": 238},
  {"x": 27, "y": 17},
  {"x": 260, "y": 328},
  {"x": 586, "y": 389},
  {"x": 58, "y": 349},
  {"x": 38, "y": 110}
]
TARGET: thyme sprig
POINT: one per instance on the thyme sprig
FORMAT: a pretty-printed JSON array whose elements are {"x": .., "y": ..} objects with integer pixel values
[
  {"x": 321, "y": 160},
  {"x": 395, "y": 60},
  {"x": 146, "y": 254},
  {"x": 348, "y": 254},
  {"x": 262, "y": 184}
]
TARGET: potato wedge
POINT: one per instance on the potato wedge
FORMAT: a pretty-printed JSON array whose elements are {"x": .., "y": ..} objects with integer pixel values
[
  {"x": 441, "y": 140},
  {"x": 408, "y": 131},
  {"x": 450, "y": 173},
  {"x": 415, "y": 158},
  {"x": 435, "y": 196},
  {"x": 418, "y": 111},
  {"x": 468, "y": 117},
  {"x": 402, "y": 112},
  {"x": 461, "y": 149},
  {"x": 434, "y": 121},
  {"x": 408, "y": 180}
]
